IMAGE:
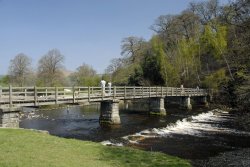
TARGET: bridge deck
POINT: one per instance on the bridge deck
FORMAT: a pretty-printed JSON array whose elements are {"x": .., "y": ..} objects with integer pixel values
[{"x": 36, "y": 96}]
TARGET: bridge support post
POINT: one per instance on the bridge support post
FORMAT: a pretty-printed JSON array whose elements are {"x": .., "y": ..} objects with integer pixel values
[
  {"x": 126, "y": 104},
  {"x": 9, "y": 117},
  {"x": 203, "y": 101},
  {"x": 156, "y": 106},
  {"x": 185, "y": 103},
  {"x": 110, "y": 112}
]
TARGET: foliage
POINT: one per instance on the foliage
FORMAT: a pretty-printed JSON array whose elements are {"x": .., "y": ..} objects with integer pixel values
[
  {"x": 4, "y": 80},
  {"x": 20, "y": 70},
  {"x": 215, "y": 79},
  {"x": 187, "y": 62},
  {"x": 28, "y": 148},
  {"x": 85, "y": 75},
  {"x": 50, "y": 69}
]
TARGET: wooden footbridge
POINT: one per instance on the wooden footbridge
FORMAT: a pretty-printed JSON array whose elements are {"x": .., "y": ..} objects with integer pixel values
[{"x": 12, "y": 98}]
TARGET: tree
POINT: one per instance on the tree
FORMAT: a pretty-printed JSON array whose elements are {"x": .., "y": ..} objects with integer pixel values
[
  {"x": 187, "y": 61},
  {"x": 157, "y": 68},
  {"x": 50, "y": 68},
  {"x": 20, "y": 69},
  {"x": 85, "y": 75},
  {"x": 131, "y": 46},
  {"x": 216, "y": 41},
  {"x": 207, "y": 11},
  {"x": 4, "y": 80}
]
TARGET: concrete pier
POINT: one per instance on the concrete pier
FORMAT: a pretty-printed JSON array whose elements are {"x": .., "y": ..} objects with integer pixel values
[
  {"x": 185, "y": 103},
  {"x": 110, "y": 112},
  {"x": 9, "y": 117},
  {"x": 203, "y": 101},
  {"x": 126, "y": 104},
  {"x": 156, "y": 106}
]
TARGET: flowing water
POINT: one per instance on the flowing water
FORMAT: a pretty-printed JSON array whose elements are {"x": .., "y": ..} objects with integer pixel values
[{"x": 195, "y": 135}]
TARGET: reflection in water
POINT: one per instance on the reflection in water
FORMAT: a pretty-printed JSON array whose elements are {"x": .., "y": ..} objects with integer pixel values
[{"x": 191, "y": 135}]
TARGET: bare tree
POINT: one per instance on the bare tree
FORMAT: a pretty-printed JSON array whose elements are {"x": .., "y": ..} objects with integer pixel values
[
  {"x": 19, "y": 69},
  {"x": 115, "y": 64},
  {"x": 50, "y": 68},
  {"x": 130, "y": 47},
  {"x": 206, "y": 10}
]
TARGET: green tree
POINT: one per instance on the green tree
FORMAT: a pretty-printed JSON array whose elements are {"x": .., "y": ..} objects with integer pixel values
[
  {"x": 85, "y": 75},
  {"x": 4, "y": 80},
  {"x": 215, "y": 40}
]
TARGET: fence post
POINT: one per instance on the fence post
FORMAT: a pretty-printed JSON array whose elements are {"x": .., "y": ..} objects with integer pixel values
[
  {"x": 172, "y": 90},
  {"x": 103, "y": 92},
  {"x": 161, "y": 92},
  {"x": 149, "y": 91},
  {"x": 125, "y": 93},
  {"x": 142, "y": 91},
  {"x": 10, "y": 95},
  {"x": 35, "y": 96},
  {"x": 74, "y": 98},
  {"x": 0, "y": 95},
  {"x": 134, "y": 92},
  {"x": 25, "y": 93},
  {"x": 114, "y": 93},
  {"x": 156, "y": 91},
  {"x": 56, "y": 95},
  {"x": 89, "y": 94}
]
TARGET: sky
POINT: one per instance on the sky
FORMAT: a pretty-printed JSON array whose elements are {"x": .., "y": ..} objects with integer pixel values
[{"x": 85, "y": 31}]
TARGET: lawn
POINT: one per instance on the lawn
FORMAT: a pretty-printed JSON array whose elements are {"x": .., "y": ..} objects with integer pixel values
[{"x": 26, "y": 148}]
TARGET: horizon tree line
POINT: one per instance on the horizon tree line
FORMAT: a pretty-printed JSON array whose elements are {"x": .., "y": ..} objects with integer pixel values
[{"x": 50, "y": 71}]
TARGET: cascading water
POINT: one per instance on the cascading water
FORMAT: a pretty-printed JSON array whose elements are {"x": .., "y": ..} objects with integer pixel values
[{"x": 201, "y": 125}]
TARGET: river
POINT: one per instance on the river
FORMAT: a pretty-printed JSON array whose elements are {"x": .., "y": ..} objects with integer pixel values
[{"x": 197, "y": 135}]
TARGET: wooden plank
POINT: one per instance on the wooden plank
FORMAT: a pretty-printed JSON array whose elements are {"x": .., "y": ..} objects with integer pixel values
[{"x": 35, "y": 95}]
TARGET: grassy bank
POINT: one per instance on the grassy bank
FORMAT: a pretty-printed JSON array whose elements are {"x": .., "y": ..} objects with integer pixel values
[{"x": 28, "y": 148}]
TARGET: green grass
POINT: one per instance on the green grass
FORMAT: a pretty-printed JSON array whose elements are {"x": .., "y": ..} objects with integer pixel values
[{"x": 26, "y": 148}]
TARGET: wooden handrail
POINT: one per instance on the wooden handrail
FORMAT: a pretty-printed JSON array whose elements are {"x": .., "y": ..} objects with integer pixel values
[{"x": 46, "y": 95}]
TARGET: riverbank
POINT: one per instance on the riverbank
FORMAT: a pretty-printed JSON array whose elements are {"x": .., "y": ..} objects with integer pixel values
[
  {"x": 237, "y": 158},
  {"x": 20, "y": 147}
]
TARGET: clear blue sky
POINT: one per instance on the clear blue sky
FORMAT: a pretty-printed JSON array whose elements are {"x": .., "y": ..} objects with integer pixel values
[{"x": 85, "y": 31}]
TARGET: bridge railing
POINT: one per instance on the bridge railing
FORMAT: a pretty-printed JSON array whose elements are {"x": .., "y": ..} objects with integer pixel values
[{"x": 56, "y": 95}]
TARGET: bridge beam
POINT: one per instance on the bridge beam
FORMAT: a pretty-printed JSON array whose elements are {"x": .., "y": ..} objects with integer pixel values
[
  {"x": 9, "y": 117},
  {"x": 110, "y": 112},
  {"x": 185, "y": 103},
  {"x": 156, "y": 106}
]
